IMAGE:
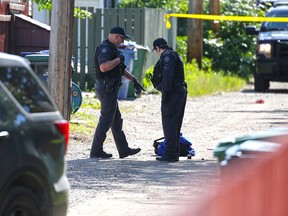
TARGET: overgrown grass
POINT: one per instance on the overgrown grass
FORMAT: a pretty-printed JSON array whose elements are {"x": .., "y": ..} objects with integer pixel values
[
  {"x": 202, "y": 82},
  {"x": 84, "y": 122},
  {"x": 207, "y": 82}
]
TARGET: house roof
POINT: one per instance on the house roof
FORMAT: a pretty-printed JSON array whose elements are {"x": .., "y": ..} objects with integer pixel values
[{"x": 33, "y": 21}]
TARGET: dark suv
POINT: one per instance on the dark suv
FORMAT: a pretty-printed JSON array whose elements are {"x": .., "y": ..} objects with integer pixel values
[
  {"x": 272, "y": 48},
  {"x": 33, "y": 143}
]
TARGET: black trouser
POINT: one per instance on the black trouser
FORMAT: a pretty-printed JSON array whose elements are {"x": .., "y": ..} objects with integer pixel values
[
  {"x": 172, "y": 108},
  {"x": 110, "y": 117}
]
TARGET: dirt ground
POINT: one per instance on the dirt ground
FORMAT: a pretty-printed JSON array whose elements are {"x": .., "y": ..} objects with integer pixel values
[{"x": 140, "y": 185}]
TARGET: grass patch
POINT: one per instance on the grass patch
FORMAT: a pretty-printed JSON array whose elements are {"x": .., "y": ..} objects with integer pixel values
[
  {"x": 84, "y": 122},
  {"x": 201, "y": 82},
  {"x": 207, "y": 82}
]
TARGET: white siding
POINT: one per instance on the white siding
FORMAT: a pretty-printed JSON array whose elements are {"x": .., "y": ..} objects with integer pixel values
[
  {"x": 41, "y": 16},
  {"x": 89, "y": 3}
]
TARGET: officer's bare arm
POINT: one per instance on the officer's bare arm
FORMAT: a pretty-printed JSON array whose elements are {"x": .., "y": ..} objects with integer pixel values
[{"x": 109, "y": 65}]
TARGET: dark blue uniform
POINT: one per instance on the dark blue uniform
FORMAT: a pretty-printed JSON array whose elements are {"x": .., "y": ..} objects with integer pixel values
[
  {"x": 168, "y": 77},
  {"x": 106, "y": 88}
]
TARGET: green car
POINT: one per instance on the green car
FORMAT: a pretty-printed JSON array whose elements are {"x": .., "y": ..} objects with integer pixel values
[{"x": 33, "y": 144}]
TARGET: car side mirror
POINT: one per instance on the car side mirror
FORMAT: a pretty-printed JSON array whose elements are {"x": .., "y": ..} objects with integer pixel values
[{"x": 251, "y": 30}]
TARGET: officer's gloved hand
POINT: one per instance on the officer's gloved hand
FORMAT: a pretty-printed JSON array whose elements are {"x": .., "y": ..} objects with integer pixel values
[
  {"x": 122, "y": 58},
  {"x": 122, "y": 69},
  {"x": 137, "y": 86}
]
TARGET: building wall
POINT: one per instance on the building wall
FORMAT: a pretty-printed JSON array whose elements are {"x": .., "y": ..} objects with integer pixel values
[
  {"x": 89, "y": 3},
  {"x": 42, "y": 16}
]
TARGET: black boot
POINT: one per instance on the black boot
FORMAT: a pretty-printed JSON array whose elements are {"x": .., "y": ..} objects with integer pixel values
[
  {"x": 100, "y": 154},
  {"x": 129, "y": 152}
]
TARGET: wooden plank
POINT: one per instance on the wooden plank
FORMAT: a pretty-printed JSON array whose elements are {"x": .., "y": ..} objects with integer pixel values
[
  {"x": 121, "y": 18},
  {"x": 82, "y": 51},
  {"x": 129, "y": 22},
  {"x": 138, "y": 26},
  {"x": 107, "y": 22},
  {"x": 75, "y": 75},
  {"x": 113, "y": 18},
  {"x": 91, "y": 47},
  {"x": 98, "y": 27}
]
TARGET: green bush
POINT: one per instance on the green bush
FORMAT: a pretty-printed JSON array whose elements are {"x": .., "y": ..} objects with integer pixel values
[
  {"x": 201, "y": 82},
  {"x": 232, "y": 50}
]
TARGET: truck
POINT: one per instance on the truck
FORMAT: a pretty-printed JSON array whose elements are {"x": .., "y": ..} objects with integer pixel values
[{"x": 272, "y": 48}]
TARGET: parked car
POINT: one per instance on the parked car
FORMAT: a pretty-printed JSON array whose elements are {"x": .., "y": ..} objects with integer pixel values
[
  {"x": 272, "y": 48},
  {"x": 33, "y": 144}
]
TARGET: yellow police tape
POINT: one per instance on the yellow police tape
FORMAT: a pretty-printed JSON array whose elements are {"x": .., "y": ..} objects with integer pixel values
[{"x": 224, "y": 18}]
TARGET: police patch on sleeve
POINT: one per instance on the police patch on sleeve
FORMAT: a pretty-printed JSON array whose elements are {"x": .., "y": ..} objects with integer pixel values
[
  {"x": 166, "y": 59},
  {"x": 104, "y": 50}
]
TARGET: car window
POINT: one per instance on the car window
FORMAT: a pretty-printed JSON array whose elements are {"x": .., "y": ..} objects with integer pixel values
[
  {"x": 26, "y": 90},
  {"x": 8, "y": 110},
  {"x": 41, "y": 70},
  {"x": 275, "y": 25}
]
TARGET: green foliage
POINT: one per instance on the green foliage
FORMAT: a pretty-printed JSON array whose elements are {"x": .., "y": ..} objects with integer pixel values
[
  {"x": 47, "y": 5},
  {"x": 232, "y": 50},
  {"x": 44, "y": 4},
  {"x": 181, "y": 47},
  {"x": 180, "y": 6},
  {"x": 82, "y": 14},
  {"x": 85, "y": 122},
  {"x": 147, "y": 84},
  {"x": 202, "y": 82}
]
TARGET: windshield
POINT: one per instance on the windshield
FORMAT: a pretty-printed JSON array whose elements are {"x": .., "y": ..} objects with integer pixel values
[{"x": 275, "y": 26}]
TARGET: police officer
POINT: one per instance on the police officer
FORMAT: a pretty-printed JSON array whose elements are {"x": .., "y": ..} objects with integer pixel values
[
  {"x": 168, "y": 77},
  {"x": 109, "y": 69}
]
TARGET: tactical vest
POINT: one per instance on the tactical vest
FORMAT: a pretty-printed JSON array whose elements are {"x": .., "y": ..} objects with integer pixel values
[
  {"x": 115, "y": 72},
  {"x": 179, "y": 70}
]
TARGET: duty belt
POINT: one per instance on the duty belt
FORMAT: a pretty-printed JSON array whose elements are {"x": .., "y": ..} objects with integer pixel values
[
  {"x": 110, "y": 83},
  {"x": 102, "y": 81}
]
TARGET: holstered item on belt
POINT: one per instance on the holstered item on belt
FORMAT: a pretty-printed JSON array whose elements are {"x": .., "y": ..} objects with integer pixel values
[
  {"x": 179, "y": 85},
  {"x": 111, "y": 84}
]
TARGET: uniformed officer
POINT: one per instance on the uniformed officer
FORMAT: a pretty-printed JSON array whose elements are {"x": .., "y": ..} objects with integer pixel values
[
  {"x": 168, "y": 77},
  {"x": 109, "y": 69}
]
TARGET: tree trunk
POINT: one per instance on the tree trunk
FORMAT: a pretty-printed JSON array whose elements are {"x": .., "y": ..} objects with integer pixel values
[
  {"x": 214, "y": 9},
  {"x": 59, "y": 78},
  {"x": 195, "y": 43}
]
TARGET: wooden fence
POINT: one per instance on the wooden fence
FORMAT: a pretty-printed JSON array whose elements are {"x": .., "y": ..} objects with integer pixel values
[{"x": 144, "y": 25}]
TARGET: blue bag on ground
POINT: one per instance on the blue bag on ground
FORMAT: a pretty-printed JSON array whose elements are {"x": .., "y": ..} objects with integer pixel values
[{"x": 185, "y": 146}]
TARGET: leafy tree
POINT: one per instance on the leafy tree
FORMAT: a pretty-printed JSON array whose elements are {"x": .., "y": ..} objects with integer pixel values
[
  {"x": 174, "y": 6},
  {"x": 233, "y": 51},
  {"x": 47, "y": 4},
  {"x": 179, "y": 6}
]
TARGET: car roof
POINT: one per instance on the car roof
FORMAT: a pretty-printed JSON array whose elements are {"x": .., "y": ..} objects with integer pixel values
[
  {"x": 12, "y": 60},
  {"x": 278, "y": 8}
]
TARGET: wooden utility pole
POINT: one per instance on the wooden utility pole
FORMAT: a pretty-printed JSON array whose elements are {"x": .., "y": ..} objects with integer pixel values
[
  {"x": 214, "y": 9},
  {"x": 195, "y": 31},
  {"x": 60, "y": 71}
]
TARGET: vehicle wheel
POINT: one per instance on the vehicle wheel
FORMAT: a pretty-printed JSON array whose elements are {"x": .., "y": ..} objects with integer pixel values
[
  {"x": 260, "y": 85},
  {"x": 21, "y": 202}
]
